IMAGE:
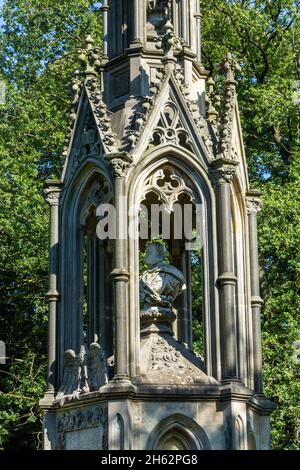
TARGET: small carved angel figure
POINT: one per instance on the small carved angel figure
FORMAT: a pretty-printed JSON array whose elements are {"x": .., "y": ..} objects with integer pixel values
[
  {"x": 98, "y": 373},
  {"x": 84, "y": 376},
  {"x": 70, "y": 382}
]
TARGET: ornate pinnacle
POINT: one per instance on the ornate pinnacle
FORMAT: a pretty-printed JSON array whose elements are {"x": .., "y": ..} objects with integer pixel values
[
  {"x": 89, "y": 57},
  {"x": 169, "y": 42},
  {"x": 212, "y": 100},
  {"x": 230, "y": 66}
]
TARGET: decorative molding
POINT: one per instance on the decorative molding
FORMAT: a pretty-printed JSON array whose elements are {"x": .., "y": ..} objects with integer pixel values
[
  {"x": 170, "y": 129},
  {"x": 144, "y": 110},
  {"x": 82, "y": 419},
  {"x": 100, "y": 192},
  {"x": 74, "y": 91}
]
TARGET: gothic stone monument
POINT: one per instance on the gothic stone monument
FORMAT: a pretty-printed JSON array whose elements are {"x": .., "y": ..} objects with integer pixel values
[{"x": 147, "y": 128}]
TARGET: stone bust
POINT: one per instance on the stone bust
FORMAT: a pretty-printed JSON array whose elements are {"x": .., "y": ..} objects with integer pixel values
[{"x": 161, "y": 283}]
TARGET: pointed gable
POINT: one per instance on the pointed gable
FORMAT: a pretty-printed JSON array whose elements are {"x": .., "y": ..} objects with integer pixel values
[{"x": 173, "y": 120}]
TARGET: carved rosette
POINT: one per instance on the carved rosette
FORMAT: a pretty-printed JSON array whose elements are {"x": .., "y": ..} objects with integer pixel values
[
  {"x": 53, "y": 193},
  {"x": 253, "y": 205},
  {"x": 78, "y": 420}
]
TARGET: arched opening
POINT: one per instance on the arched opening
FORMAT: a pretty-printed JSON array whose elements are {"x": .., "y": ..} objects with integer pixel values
[
  {"x": 86, "y": 264},
  {"x": 174, "y": 440},
  {"x": 171, "y": 212},
  {"x": 96, "y": 257},
  {"x": 178, "y": 432}
]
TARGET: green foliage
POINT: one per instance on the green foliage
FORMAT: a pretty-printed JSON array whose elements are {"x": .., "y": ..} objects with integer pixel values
[
  {"x": 38, "y": 55},
  {"x": 264, "y": 36}
]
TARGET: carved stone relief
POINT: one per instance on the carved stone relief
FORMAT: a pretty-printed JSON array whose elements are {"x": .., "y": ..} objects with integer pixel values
[{"x": 73, "y": 421}]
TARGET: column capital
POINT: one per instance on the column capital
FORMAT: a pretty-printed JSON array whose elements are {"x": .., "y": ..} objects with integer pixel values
[
  {"x": 120, "y": 164},
  {"x": 52, "y": 191},
  {"x": 253, "y": 202},
  {"x": 224, "y": 170}
]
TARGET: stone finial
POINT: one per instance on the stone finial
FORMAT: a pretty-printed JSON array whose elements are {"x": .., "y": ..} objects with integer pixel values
[
  {"x": 89, "y": 57},
  {"x": 229, "y": 67},
  {"x": 213, "y": 100},
  {"x": 169, "y": 42},
  {"x": 227, "y": 108}
]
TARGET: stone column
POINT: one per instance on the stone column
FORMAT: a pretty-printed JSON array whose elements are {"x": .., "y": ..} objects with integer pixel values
[
  {"x": 184, "y": 12},
  {"x": 198, "y": 31},
  {"x": 52, "y": 191},
  {"x": 120, "y": 164},
  {"x": 224, "y": 171},
  {"x": 105, "y": 9},
  {"x": 253, "y": 205},
  {"x": 135, "y": 20}
]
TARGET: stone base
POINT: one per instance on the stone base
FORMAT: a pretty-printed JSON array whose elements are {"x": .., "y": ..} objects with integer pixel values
[{"x": 147, "y": 417}]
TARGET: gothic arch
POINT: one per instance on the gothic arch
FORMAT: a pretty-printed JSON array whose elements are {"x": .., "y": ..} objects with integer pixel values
[
  {"x": 179, "y": 430},
  {"x": 188, "y": 166},
  {"x": 83, "y": 193},
  {"x": 240, "y": 434}
]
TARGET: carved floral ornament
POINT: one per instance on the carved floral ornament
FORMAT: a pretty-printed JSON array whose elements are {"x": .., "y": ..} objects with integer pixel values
[
  {"x": 52, "y": 193},
  {"x": 253, "y": 205},
  {"x": 224, "y": 174},
  {"x": 168, "y": 184}
]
